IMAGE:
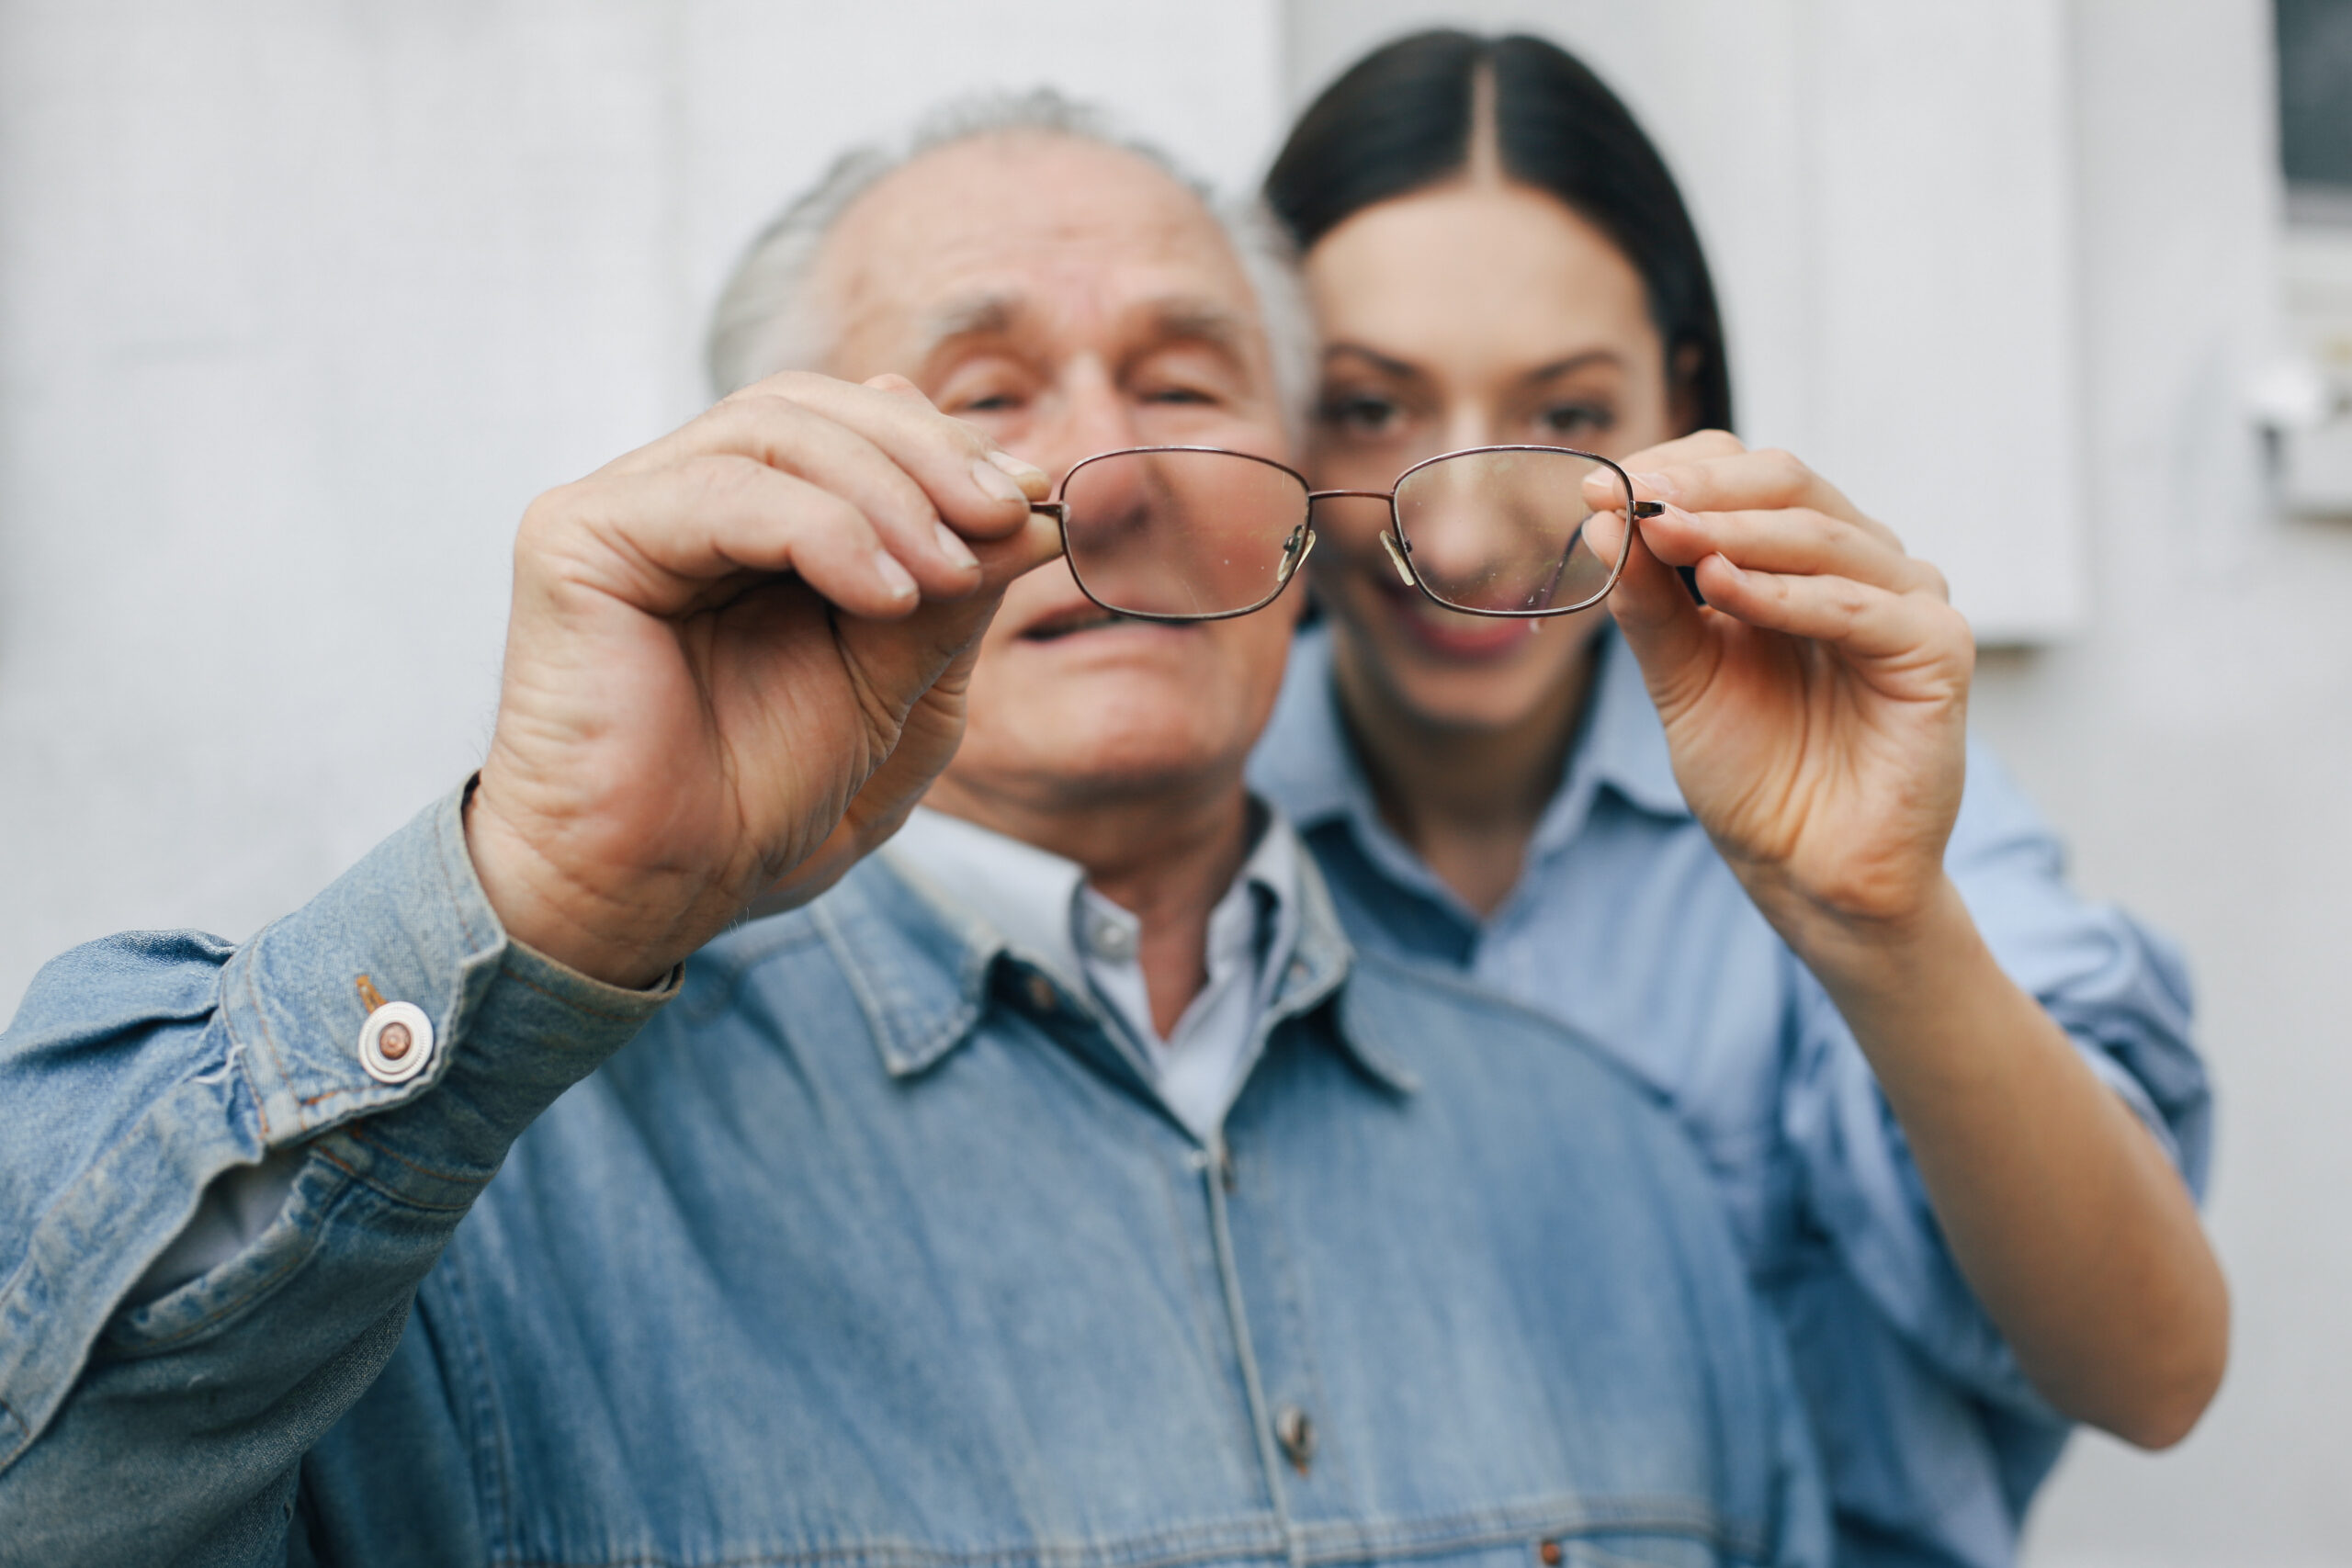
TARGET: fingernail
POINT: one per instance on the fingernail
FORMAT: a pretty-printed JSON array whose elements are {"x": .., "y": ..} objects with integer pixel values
[
  {"x": 1658, "y": 485},
  {"x": 1028, "y": 475},
  {"x": 952, "y": 545},
  {"x": 894, "y": 576},
  {"x": 995, "y": 482}
]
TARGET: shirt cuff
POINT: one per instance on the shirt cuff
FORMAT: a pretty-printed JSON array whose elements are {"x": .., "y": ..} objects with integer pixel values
[
  {"x": 511, "y": 1028},
  {"x": 2134, "y": 1094}
]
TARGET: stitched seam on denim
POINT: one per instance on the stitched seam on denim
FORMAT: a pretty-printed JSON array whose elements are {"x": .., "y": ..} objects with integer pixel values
[
  {"x": 1694, "y": 1309},
  {"x": 506, "y": 970},
  {"x": 1185, "y": 1194},
  {"x": 262, "y": 1290},
  {"x": 481, "y": 1403},
  {"x": 1162, "y": 1548},
  {"x": 1563, "y": 1515},
  {"x": 1566, "y": 1519},
  {"x": 402, "y": 1199},
  {"x": 837, "y": 943},
  {"x": 356, "y": 1135},
  {"x": 730, "y": 968},
  {"x": 1291, "y": 1304},
  {"x": 252, "y": 953}
]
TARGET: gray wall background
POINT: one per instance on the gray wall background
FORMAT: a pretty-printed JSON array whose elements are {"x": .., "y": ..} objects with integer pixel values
[{"x": 300, "y": 305}]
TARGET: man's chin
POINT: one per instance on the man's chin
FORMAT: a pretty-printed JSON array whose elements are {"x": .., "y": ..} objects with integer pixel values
[{"x": 1090, "y": 764}]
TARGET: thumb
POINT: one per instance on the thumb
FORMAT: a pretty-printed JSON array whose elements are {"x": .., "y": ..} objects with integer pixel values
[
  {"x": 1666, "y": 631},
  {"x": 900, "y": 659}
]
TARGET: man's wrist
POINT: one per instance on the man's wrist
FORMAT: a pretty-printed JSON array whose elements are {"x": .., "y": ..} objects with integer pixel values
[{"x": 546, "y": 912}]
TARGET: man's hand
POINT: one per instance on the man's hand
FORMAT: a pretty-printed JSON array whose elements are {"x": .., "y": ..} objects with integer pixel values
[
  {"x": 737, "y": 658},
  {"x": 1817, "y": 709}
]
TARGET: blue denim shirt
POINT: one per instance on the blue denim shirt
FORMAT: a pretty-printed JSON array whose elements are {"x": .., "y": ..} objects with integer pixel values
[
  {"x": 871, "y": 1248},
  {"x": 1627, "y": 926}
]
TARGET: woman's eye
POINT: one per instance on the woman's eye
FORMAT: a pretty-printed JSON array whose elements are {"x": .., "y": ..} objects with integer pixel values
[
  {"x": 1361, "y": 415},
  {"x": 989, "y": 402},
  {"x": 1191, "y": 395},
  {"x": 1576, "y": 419}
]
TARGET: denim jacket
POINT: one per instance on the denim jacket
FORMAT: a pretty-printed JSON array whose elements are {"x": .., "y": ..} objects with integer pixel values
[
  {"x": 1628, "y": 928},
  {"x": 870, "y": 1247}
]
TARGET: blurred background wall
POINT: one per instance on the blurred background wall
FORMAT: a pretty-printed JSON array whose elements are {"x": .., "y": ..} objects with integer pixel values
[{"x": 300, "y": 304}]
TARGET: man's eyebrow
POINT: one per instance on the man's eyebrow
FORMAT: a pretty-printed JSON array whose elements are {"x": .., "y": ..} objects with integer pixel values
[
  {"x": 983, "y": 315},
  {"x": 1201, "y": 321}
]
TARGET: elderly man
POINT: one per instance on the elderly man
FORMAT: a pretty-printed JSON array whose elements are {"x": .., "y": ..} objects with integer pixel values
[{"x": 1053, "y": 1191}]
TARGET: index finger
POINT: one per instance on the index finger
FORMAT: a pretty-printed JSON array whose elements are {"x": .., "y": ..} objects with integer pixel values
[
  {"x": 1766, "y": 480},
  {"x": 978, "y": 489},
  {"x": 1600, "y": 486}
]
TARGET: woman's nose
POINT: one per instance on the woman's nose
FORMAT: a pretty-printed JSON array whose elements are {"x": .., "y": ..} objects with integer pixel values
[{"x": 1468, "y": 426}]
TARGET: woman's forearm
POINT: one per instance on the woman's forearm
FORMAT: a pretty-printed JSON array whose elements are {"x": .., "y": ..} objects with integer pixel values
[{"x": 2061, "y": 1208}]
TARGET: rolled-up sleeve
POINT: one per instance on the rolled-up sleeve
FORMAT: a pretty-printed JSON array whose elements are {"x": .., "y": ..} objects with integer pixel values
[
  {"x": 141, "y": 1070},
  {"x": 2119, "y": 990}
]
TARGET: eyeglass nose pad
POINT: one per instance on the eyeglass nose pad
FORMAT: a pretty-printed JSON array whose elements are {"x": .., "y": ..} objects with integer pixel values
[
  {"x": 1295, "y": 549},
  {"x": 1396, "y": 555}
]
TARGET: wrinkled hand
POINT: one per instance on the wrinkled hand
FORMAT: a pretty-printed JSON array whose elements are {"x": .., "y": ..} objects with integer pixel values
[
  {"x": 737, "y": 658},
  {"x": 1816, "y": 707}
]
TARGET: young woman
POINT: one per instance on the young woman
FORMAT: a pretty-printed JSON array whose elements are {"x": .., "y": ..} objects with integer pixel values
[{"x": 1950, "y": 1105}]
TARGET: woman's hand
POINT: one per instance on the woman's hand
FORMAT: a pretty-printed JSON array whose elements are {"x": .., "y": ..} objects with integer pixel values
[
  {"x": 1816, "y": 708},
  {"x": 737, "y": 658}
]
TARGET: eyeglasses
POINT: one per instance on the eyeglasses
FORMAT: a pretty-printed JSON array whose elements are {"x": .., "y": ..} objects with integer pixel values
[{"x": 1201, "y": 534}]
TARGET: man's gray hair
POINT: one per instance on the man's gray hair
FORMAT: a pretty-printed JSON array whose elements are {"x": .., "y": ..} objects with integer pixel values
[{"x": 765, "y": 322}]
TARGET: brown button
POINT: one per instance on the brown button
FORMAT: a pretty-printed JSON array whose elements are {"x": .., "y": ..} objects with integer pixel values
[
  {"x": 396, "y": 1042},
  {"x": 1550, "y": 1552},
  {"x": 1042, "y": 995},
  {"x": 1296, "y": 1433}
]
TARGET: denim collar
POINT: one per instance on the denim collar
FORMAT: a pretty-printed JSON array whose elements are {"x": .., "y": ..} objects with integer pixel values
[
  {"x": 1036, "y": 900},
  {"x": 921, "y": 966},
  {"x": 1307, "y": 763}
]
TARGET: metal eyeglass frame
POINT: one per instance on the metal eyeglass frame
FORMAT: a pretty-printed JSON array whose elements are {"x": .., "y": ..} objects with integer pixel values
[{"x": 1301, "y": 543}]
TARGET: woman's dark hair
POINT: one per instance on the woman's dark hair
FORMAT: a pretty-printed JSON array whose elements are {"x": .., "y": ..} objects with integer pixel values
[{"x": 1400, "y": 119}]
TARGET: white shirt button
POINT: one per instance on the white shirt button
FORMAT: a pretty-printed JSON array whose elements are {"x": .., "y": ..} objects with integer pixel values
[
  {"x": 396, "y": 1042},
  {"x": 1110, "y": 940}
]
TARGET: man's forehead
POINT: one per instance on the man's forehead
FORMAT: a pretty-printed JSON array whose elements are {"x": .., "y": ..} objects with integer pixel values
[{"x": 999, "y": 230}]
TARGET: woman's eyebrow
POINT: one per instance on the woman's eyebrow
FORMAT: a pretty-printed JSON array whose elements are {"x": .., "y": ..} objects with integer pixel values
[
  {"x": 1387, "y": 365},
  {"x": 1573, "y": 361}
]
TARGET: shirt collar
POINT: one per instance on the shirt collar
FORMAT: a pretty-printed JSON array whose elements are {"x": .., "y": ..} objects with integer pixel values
[
  {"x": 1306, "y": 761},
  {"x": 1623, "y": 744},
  {"x": 919, "y": 938}
]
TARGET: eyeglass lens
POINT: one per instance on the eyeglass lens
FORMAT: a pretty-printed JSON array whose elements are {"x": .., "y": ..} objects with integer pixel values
[
  {"x": 1503, "y": 531},
  {"x": 1184, "y": 534}
]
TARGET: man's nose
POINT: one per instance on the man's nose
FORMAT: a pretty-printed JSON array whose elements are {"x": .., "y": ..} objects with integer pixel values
[{"x": 1093, "y": 415}]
